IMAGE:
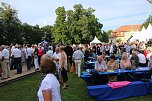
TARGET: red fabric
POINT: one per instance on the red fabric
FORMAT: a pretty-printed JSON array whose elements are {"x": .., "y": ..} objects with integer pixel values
[
  {"x": 40, "y": 52},
  {"x": 119, "y": 84},
  {"x": 145, "y": 53}
]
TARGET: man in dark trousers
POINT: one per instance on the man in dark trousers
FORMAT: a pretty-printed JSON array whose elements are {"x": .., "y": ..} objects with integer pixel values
[{"x": 69, "y": 51}]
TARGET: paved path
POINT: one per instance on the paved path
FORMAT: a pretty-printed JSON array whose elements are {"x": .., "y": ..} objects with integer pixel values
[{"x": 14, "y": 76}]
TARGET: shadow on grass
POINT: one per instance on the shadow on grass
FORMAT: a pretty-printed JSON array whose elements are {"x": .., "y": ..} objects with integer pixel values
[{"x": 26, "y": 90}]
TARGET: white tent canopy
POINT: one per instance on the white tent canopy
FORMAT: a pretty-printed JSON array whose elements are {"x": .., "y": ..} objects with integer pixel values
[
  {"x": 95, "y": 41},
  {"x": 135, "y": 37},
  {"x": 149, "y": 32},
  {"x": 143, "y": 35}
]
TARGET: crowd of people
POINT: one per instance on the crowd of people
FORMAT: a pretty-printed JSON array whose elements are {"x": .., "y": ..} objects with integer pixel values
[{"x": 53, "y": 60}]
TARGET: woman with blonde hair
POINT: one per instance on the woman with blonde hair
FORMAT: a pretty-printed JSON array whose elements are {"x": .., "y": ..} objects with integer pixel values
[
  {"x": 63, "y": 67},
  {"x": 49, "y": 89},
  {"x": 125, "y": 62}
]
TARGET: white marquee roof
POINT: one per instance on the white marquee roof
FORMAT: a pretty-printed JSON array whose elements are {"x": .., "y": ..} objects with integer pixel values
[{"x": 95, "y": 40}]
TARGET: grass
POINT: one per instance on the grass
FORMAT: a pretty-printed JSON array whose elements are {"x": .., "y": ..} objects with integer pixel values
[{"x": 26, "y": 90}]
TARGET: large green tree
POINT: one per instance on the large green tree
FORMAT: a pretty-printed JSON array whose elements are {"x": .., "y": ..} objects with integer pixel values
[
  {"x": 60, "y": 29},
  {"x": 48, "y": 33},
  {"x": 10, "y": 25},
  {"x": 76, "y": 26},
  {"x": 105, "y": 37},
  {"x": 79, "y": 25},
  {"x": 31, "y": 34}
]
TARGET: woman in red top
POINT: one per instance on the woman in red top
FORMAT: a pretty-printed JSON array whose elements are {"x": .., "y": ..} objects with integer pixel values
[
  {"x": 145, "y": 53},
  {"x": 40, "y": 53}
]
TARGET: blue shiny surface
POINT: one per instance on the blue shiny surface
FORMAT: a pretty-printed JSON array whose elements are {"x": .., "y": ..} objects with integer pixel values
[
  {"x": 105, "y": 92},
  {"x": 85, "y": 75}
]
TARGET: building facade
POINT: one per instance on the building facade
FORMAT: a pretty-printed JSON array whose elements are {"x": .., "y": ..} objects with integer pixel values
[{"x": 123, "y": 33}]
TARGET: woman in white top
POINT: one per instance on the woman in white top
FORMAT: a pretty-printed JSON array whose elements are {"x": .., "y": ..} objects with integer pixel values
[{"x": 49, "y": 89}]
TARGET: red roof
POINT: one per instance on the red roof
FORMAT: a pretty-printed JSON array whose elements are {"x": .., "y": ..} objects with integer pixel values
[{"x": 119, "y": 32}]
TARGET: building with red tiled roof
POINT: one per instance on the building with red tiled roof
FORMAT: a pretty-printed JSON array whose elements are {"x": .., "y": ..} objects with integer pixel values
[{"x": 123, "y": 33}]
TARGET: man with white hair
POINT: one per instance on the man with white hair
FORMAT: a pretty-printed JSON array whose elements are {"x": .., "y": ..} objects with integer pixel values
[
  {"x": 49, "y": 52},
  {"x": 29, "y": 54},
  {"x": 100, "y": 64},
  {"x": 78, "y": 56},
  {"x": 11, "y": 58},
  {"x": 5, "y": 62},
  {"x": 16, "y": 54}
]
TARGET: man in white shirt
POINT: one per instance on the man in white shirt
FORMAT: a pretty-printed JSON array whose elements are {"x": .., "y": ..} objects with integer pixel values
[
  {"x": 16, "y": 54},
  {"x": 29, "y": 53},
  {"x": 12, "y": 59},
  {"x": 5, "y": 62},
  {"x": 111, "y": 49},
  {"x": 78, "y": 56},
  {"x": 49, "y": 52},
  {"x": 100, "y": 65},
  {"x": 142, "y": 59}
]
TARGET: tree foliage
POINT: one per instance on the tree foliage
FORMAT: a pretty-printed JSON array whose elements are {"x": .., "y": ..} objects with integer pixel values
[
  {"x": 10, "y": 24},
  {"x": 13, "y": 31},
  {"x": 148, "y": 21},
  {"x": 79, "y": 25},
  {"x": 105, "y": 37},
  {"x": 76, "y": 26}
]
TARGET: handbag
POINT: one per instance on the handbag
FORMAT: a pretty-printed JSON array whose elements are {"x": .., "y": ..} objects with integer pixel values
[{"x": 72, "y": 68}]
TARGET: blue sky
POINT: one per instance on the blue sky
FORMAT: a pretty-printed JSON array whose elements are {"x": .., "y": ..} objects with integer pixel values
[{"x": 111, "y": 13}]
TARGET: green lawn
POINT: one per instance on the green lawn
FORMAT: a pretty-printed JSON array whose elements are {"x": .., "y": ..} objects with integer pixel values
[{"x": 26, "y": 89}]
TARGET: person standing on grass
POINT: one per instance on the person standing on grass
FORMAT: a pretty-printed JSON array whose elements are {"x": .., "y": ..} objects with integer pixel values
[
  {"x": 49, "y": 89},
  {"x": 55, "y": 58},
  {"x": 5, "y": 62},
  {"x": 78, "y": 57},
  {"x": 49, "y": 52},
  {"x": 69, "y": 52},
  {"x": 63, "y": 67},
  {"x": 40, "y": 53},
  {"x": 36, "y": 64},
  {"x": 29, "y": 53},
  {"x": 12, "y": 64},
  {"x": 16, "y": 54}
]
